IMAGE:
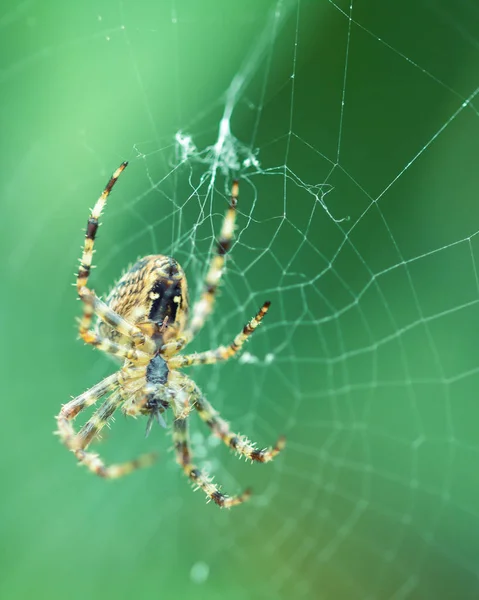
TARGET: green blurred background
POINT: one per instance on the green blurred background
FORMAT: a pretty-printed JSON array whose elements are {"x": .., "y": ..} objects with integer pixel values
[{"x": 369, "y": 359}]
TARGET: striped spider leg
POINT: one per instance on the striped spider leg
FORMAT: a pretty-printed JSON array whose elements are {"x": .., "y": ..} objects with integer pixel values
[
  {"x": 200, "y": 479},
  {"x": 204, "y": 306},
  {"x": 79, "y": 442},
  {"x": 222, "y": 353},
  {"x": 218, "y": 426},
  {"x": 92, "y": 304}
]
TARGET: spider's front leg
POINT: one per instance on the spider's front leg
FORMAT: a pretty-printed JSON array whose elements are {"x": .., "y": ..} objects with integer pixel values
[
  {"x": 70, "y": 410},
  {"x": 79, "y": 442}
]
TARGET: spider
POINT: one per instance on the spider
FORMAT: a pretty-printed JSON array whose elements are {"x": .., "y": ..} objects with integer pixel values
[{"x": 145, "y": 323}]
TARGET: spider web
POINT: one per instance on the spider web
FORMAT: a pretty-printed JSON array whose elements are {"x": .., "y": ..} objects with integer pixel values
[
  {"x": 356, "y": 221},
  {"x": 353, "y": 128}
]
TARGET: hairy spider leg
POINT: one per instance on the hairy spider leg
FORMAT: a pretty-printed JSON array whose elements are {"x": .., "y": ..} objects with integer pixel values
[
  {"x": 70, "y": 410},
  {"x": 204, "y": 306},
  {"x": 94, "y": 463},
  {"x": 78, "y": 442},
  {"x": 199, "y": 478},
  {"x": 91, "y": 304},
  {"x": 222, "y": 353},
  {"x": 106, "y": 345},
  {"x": 219, "y": 427}
]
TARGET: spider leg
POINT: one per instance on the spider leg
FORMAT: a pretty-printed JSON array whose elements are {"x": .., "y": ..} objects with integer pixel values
[
  {"x": 203, "y": 307},
  {"x": 78, "y": 443},
  {"x": 106, "y": 345},
  {"x": 94, "y": 463},
  {"x": 223, "y": 352},
  {"x": 200, "y": 479},
  {"x": 70, "y": 410},
  {"x": 219, "y": 427},
  {"x": 91, "y": 304}
]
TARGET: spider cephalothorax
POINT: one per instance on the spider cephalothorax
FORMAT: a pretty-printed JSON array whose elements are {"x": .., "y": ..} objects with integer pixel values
[{"x": 145, "y": 322}]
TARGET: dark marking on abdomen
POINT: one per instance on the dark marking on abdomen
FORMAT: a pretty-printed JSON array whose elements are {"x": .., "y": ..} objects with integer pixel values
[{"x": 165, "y": 305}]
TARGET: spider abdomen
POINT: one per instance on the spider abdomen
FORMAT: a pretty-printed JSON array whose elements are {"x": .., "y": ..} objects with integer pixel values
[{"x": 153, "y": 290}]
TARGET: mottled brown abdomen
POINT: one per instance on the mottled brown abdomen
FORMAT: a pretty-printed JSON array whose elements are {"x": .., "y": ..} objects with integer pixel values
[{"x": 153, "y": 295}]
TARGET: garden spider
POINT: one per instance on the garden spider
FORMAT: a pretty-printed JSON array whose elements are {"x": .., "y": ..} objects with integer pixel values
[{"x": 144, "y": 321}]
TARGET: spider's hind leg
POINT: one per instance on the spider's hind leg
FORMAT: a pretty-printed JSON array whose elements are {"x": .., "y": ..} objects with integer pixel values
[
  {"x": 204, "y": 306},
  {"x": 91, "y": 303},
  {"x": 200, "y": 478}
]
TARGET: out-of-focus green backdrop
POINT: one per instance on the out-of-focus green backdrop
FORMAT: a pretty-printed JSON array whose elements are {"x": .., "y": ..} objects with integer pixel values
[{"x": 369, "y": 359}]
